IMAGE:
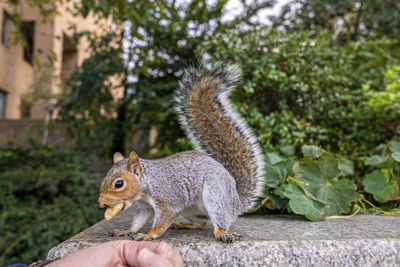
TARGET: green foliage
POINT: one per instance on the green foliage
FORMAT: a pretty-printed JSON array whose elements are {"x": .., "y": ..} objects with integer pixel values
[
  {"x": 348, "y": 19},
  {"x": 314, "y": 186},
  {"x": 47, "y": 196},
  {"x": 395, "y": 149},
  {"x": 321, "y": 184},
  {"x": 277, "y": 171},
  {"x": 387, "y": 101},
  {"x": 302, "y": 202},
  {"x": 381, "y": 186},
  {"x": 298, "y": 90},
  {"x": 384, "y": 182},
  {"x": 331, "y": 79},
  {"x": 159, "y": 42},
  {"x": 87, "y": 107},
  {"x": 312, "y": 152},
  {"x": 321, "y": 179}
]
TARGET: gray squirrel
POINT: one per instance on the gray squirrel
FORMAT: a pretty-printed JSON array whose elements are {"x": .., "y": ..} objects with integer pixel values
[{"x": 218, "y": 182}]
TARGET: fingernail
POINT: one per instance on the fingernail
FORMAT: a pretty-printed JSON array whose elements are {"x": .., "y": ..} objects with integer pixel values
[
  {"x": 164, "y": 249},
  {"x": 145, "y": 254}
]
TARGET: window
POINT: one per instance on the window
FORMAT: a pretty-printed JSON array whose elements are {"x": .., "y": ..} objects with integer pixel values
[
  {"x": 69, "y": 57},
  {"x": 2, "y": 104},
  {"x": 6, "y": 29},
  {"x": 27, "y": 30}
]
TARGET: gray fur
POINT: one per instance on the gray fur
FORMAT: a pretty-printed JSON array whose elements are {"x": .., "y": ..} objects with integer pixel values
[
  {"x": 193, "y": 183},
  {"x": 189, "y": 182},
  {"x": 143, "y": 213},
  {"x": 186, "y": 178}
]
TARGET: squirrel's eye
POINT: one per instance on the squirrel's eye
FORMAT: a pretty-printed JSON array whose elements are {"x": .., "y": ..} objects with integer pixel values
[{"x": 119, "y": 184}]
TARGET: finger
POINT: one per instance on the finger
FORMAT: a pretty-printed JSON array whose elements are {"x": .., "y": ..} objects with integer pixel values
[
  {"x": 129, "y": 252},
  {"x": 167, "y": 250},
  {"x": 105, "y": 254},
  {"x": 147, "y": 257}
]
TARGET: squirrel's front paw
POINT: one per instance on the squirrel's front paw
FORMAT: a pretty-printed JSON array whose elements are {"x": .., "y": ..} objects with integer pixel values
[{"x": 141, "y": 237}]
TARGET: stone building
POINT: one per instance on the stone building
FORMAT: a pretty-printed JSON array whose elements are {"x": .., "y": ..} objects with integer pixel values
[{"x": 26, "y": 77}]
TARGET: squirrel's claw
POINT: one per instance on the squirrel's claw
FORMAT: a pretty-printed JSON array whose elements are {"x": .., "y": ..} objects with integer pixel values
[
  {"x": 229, "y": 238},
  {"x": 141, "y": 237},
  {"x": 119, "y": 233}
]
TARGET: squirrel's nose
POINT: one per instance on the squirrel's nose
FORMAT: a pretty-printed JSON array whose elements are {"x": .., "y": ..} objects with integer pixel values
[{"x": 101, "y": 203}]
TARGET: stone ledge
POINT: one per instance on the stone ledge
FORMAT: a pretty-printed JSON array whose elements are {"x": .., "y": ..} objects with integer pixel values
[{"x": 363, "y": 240}]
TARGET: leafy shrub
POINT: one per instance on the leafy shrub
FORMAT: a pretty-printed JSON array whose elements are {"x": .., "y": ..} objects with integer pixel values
[
  {"x": 386, "y": 103},
  {"x": 47, "y": 196},
  {"x": 316, "y": 186},
  {"x": 298, "y": 90},
  {"x": 322, "y": 184}
]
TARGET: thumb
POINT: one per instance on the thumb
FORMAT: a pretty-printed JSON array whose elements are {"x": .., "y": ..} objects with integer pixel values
[{"x": 147, "y": 257}]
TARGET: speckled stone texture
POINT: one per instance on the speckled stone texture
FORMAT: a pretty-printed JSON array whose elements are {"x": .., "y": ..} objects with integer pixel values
[{"x": 271, "y": 241}]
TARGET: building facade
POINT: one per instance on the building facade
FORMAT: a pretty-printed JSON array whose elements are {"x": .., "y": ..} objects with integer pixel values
[{"x": 26, "y": 75}]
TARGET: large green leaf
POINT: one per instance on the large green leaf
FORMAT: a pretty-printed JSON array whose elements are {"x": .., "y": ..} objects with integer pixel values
[
  {"x": 273, "y": 158},
  {"x": 325, "y": 169},
  {"x": 275, "y": 174},
  {"x": 395, "y": 147},
  {"x": 379, "y": 184},
  {"x": 278, "y": 197},
  {"x": 396, "y": 156},
  {"x": 339, "y": 196},
  {"x": 320, "y": 179},
  {"x": 379, "y": 161},
  {"x": 346, "y": 166},
  {"x": 303, "y": 202}
]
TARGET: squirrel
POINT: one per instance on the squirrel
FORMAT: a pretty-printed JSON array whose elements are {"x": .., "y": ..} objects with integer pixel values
[{"x": 216, "y": 183}]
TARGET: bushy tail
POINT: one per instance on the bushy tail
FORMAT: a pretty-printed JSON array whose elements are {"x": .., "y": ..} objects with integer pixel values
[{"x": 215, "y": 128}]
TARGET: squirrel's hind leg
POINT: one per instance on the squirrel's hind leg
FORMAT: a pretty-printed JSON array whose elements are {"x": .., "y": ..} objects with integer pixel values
[
  {"x": 218, "y": 210},
  {"x": 223, "y": 236}
]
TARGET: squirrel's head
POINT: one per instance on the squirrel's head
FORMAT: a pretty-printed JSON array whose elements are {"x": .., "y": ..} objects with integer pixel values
[{"x": 121, "y": 184}]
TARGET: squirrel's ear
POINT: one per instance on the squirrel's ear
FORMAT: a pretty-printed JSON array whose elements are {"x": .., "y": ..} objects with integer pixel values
[
  {"x": 117, "y": 157},
  {"x": 134, "y": 164}
]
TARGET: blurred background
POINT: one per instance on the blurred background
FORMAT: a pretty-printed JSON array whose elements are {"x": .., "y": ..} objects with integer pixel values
[{"x": 80, "y": 80}]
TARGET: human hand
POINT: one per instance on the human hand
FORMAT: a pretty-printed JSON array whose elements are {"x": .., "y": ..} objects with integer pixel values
[{"x": 123, "y": 253}]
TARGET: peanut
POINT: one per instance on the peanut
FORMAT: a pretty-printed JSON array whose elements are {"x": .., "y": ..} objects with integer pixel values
[{"x": 111, "y": 212}]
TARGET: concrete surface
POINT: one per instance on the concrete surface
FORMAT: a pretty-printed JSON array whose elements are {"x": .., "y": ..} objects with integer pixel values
[{"x": 363, "y": 240}]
